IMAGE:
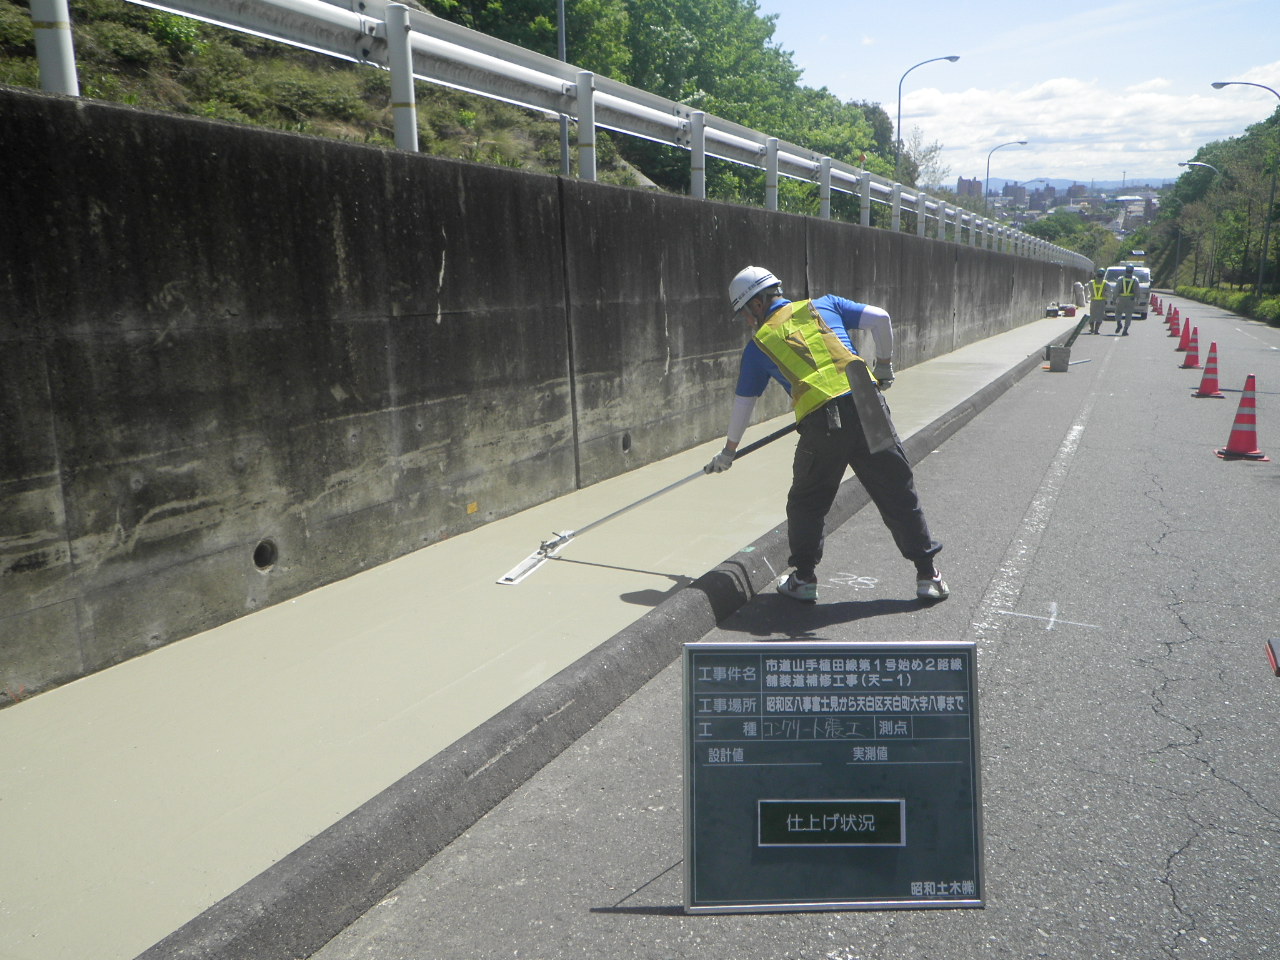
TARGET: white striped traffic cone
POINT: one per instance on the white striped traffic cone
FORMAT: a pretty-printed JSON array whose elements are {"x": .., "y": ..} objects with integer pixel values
[{"x": 1243, "y": 442}]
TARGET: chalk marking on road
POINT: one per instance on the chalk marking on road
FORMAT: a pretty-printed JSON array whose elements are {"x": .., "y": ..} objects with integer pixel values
[
  {"x": 853, "y": 580},
  {"x": 1006, "y": 585},
  {"x": 1053, "y": 620}
]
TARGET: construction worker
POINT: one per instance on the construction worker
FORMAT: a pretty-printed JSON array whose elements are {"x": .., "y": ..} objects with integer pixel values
[
  {"x": 806, "y": 347},
  {"x": 1126, "y": 300},
  {"x": 1098, "y": 301}
]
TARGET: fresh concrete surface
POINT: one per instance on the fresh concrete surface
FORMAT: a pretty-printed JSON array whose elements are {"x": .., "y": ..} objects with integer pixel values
[{"x": 136, "y": 798}]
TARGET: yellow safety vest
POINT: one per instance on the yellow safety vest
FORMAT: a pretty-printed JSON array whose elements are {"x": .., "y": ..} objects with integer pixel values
[
  {"x": 1127, "y": 285},
  {"x": 809, "y": 354},
  {"x": 1099, "y": 289}
]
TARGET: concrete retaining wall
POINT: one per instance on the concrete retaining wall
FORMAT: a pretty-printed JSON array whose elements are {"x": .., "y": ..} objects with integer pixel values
[{"x": 238, "y": 365}]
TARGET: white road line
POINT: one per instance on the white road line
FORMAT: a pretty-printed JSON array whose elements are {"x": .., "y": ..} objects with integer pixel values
[
  {"x": 1259, "y": 339},
  {"x": 1006, "y": 586}
]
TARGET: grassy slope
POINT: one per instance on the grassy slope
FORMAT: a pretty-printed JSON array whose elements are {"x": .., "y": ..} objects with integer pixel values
[{"x": 131, "y": 54}]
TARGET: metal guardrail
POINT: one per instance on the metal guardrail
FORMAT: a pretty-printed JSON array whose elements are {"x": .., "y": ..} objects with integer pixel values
[{"x": 412, "y": 44}]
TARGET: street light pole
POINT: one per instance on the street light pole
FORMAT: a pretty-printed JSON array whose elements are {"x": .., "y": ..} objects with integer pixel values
[
  {"x": 986, "y": 184},
  {"x": 1266, "y": 214},
  {"x": 897, "y": 143}
]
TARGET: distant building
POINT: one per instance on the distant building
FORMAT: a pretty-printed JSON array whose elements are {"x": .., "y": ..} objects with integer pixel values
[
  {"x": 1016, "y": 193},
  {"x": 969, "y": 188},
  {"x": 1077, "y": 191},
  {"x": 1044, "y": 199}
]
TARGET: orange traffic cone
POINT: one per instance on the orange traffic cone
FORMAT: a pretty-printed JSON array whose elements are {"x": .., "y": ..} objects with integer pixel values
[
  {"x": 1173, "y": 326},
  {"x": 1209, "y": 382},
  {"x": 1159, "y": 307},
  {"x": 1243, "y": 442},
  {"x": 1192, "y": 360},
  {"x": 1185, "y": 340}
]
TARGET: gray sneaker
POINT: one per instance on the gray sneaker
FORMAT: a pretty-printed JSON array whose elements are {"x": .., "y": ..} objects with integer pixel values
[
  {"x": 933, "y": 588},
  {"x": 797, "y": 589}
]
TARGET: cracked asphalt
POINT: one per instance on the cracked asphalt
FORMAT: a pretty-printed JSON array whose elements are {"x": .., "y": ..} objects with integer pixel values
[{"x": 1120, "y": 582}]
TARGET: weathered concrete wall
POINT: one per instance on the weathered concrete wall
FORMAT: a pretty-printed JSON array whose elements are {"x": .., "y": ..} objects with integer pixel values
[{"x": 238, "y": 365}]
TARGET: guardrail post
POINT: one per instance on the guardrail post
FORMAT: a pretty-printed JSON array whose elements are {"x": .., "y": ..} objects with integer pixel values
[
  {"x": 698, "y": 155},
  {"x": 771, "y": 173},
  {"x": 824, "y": 188},
  {"x": 922, "y": 213},
  {"x": 54, "y": 50},
  {"x": 404, "y": 106},
  {"x": 896, "y": 216},
  {"x": 865, "y": 217},
  {"x": 586, "y": 95}
]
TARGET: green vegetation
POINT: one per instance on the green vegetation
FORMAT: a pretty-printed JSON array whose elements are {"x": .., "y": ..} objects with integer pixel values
[
  {"x": 1243, "y": 302},
  {"x": 1207, "y": 242},
  {"x": 1072, "y": 232},
  {"x": 715, "y": 55}
]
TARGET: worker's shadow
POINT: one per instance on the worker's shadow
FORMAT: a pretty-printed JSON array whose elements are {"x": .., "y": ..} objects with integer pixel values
[{"x": 776, "y": 617}]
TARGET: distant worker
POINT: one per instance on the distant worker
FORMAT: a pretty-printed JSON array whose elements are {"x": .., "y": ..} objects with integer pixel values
[
  {"x": 1077, "y": 294},
  {"x": 1126, "y": 300},
  {"x": 843, "y": 421},
  {"x": 1098, "y": 301}
]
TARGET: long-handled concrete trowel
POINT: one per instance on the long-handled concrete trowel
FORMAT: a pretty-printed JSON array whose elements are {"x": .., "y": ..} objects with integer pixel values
[{"x": 549, "y": 548}]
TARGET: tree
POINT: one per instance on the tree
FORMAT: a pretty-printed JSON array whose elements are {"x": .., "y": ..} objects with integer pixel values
[
  {"x": 596, "y": 31},
  {"x": 1212, "y": 223},
  {"x": 923, "y": 161}
]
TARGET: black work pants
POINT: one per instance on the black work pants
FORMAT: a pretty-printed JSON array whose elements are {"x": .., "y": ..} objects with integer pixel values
[{"x": 831, "y": 439}]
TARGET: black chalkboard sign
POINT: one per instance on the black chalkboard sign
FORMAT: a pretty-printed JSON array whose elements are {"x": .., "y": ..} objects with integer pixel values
[{"x": 831, "y": 776}]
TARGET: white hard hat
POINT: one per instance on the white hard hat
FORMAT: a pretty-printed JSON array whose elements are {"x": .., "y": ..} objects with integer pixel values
[{"x": 749, "y": 282}]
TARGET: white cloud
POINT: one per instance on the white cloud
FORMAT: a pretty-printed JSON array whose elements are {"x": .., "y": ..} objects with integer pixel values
[
  {"x": 1155, "y": 83},
  {"x": 1080, "y": 128}
]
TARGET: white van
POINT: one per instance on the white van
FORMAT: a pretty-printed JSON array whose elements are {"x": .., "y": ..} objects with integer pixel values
[{"x": 1143, "y": 274}]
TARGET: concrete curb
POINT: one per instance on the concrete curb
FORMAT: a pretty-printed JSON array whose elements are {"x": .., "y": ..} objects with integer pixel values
[{"x": 296, "y": 906}]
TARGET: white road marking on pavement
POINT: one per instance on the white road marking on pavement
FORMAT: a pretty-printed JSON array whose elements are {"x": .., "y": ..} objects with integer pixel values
[
  {"x": 1259, "y": 339},
  {"x": 1006, "y": 585}
]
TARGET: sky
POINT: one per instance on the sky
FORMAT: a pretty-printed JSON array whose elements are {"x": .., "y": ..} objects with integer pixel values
[{"x": 1100, "y": 91}]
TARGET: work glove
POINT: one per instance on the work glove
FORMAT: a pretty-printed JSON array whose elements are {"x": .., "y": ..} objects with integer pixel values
[
  {"x": 883, "y": 372},
  {"x": 721, "y": 462}
]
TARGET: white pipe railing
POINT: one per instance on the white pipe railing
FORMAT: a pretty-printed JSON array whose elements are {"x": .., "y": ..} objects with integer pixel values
[{"x": 441, "y": 52}]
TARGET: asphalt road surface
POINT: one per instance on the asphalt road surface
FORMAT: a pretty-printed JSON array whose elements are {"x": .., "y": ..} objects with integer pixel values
[{"x": 1120, "y": 582}]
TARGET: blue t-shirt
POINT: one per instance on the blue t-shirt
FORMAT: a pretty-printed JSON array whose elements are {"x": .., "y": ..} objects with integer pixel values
[{"x": 757, "y": 369}]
